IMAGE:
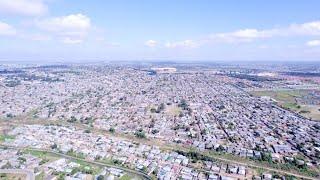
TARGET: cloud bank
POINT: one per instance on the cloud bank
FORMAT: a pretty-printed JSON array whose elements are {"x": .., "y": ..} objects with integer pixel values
[
  {"x": 6, "y": 29},
  {"x": 69, "y": 29},
  {"x": 23, "y": 7}
]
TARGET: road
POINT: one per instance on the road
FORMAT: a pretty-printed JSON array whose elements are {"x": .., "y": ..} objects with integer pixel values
[{"x": 145, "y": 176}]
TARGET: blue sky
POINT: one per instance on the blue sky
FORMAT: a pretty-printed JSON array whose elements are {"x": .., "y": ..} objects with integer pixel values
[{"x": 177, "y": 30}]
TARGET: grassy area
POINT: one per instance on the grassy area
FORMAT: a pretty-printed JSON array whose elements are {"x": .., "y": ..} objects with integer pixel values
[
  {"x": 43, "y": 155},
  {"x": 310, "y": 111},
  {"x": 291, "y": 106},
  {"x": 125, "y": 177},
  {"x": 75, "y": 154},
  {"x": 282, "y": 96},
  {"x": 288, "y": 100},
  {"x": 40, "y": 176},
  {"x": 114, "y": 162},
  {"x": 106, "y": 161},
  {"x": 37, "y": 153},
  {"x": 173, "y": 110},
  {"x": 84, "y": 166},
  {"x": 5, "y": 176},
  {"x": 6, "y": 138}
]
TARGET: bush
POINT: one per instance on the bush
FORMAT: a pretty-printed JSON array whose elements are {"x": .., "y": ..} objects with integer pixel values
[
  {"x": 112, "y": 130},
  {"x": 87, "y": 131},
  {"x": 140, "y": 134},
  {"x": 54, "y": 146},
  {"x": 154, "y": 131},
  {"x": 100, "y": 177}
]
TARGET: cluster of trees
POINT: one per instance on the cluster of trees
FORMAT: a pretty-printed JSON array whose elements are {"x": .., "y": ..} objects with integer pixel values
[
  {"x": 9, "y": 115},
  {"x": 112, "y": 130},
  {"x": 54, "y": 146},
  {"x": 154, "y": 131},
  {"x": 22, "y": 159},
  {"x": 195, "y": 156},
  {"x": 72, "y": 119},
  {"x": 13, "y": 83},
  {"x": 86, "y": 120},
  {"x": 87, "y": 131},
  {"x": 71, "y": 152},
  {"x": 83, "y": 169},
  {"x": 100, "y": 177},
  {"x": 160, "y": 108},
  {"x": 140, "y": 133},
  {"x": 296, "y": 164},
  {"x": 266, "y": 156},
  {"x": 184, "y": 106},
  {"x": 61, "y": 175},
  {"x": 43, "y": 161}
]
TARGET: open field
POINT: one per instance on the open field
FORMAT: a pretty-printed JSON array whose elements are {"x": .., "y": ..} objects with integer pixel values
[
  {"x": 173, "y": 110},
  {"x": 5, "y": 138},
  {"x": 289, "y": 99},
  {"x": 6, "y": 176},
  {"x": 310, "y": 111}
]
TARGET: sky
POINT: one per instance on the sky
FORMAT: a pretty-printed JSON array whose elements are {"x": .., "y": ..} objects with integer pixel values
[{"x": 159, "y": 30}]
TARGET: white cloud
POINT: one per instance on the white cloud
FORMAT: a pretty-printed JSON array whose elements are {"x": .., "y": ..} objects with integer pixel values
[
  {"x": 6, "y": 29},
  {"x": 251, "y": 34},
  {"x": 73, "y": 22},
  {"x": 313, "y": 43},
  {"x": 23, "y": 7},
  {"x": 73, "y": 28},
  {"x": 242, "y": 35},
  {"x": 248, "y": 35},
  {"x": 181, "y": 44},
  {"x": 245, "y": 34},
  {"x": 309, "y": 28},
  {"x": 151, "y": 43}
]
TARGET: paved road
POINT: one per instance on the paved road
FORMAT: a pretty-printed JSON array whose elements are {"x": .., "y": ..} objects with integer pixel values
[
  {"x": 145, "y": 176},
  {"x": 29, "y": 173}
]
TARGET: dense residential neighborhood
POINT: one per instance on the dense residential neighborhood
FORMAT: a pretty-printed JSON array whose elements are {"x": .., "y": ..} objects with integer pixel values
[{"x": 128, "y": 116}]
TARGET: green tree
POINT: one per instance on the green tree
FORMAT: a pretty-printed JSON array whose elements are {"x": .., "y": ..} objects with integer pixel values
[
  {"x": 100, "y": 177},
  {"x": 140, "y": 134},
  {"x": 112, "y": 130},
  {"x": 54, "y": 146},
  {"x": 87, "y": 131}
]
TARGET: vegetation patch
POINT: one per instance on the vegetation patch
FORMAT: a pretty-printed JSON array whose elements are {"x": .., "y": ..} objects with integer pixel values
[
  {"x": 291, "y": 100},
  {"x": 6, "y": 138}
]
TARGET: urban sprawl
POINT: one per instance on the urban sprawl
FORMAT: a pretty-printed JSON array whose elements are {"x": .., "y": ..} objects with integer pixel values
[{"x": 157, "y": 121}]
